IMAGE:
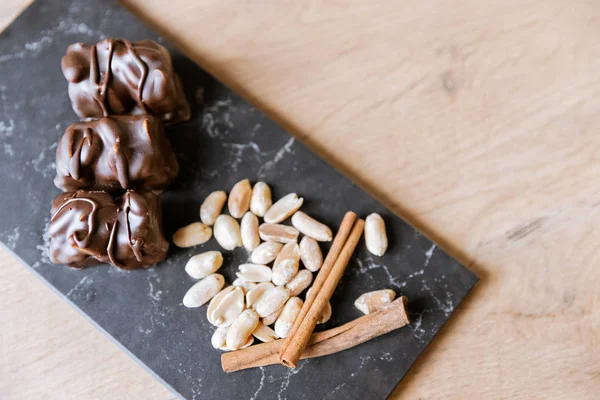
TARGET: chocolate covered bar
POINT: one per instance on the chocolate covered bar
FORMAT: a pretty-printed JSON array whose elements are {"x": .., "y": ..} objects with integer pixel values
[
  {"x": 115, "y": 153},
  {"x": 88, "y": 228},
  {"x": 116, "y": 77},
  {"x": 80, "y": 228}
]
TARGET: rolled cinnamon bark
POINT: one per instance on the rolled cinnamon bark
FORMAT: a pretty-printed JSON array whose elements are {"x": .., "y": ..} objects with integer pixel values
[
  {"x": 334, "y": 340},
  {"x": 299, "y": 337},
  {"x": 115, "y": 153},
  {"x": 332, "y": 256},
  {"x": 119, "y": 77}
]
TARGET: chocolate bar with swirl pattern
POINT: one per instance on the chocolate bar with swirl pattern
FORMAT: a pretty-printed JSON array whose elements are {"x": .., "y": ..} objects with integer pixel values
[
  {"x": 92, "y": 227},
  {"x": 118, "y": 77}
]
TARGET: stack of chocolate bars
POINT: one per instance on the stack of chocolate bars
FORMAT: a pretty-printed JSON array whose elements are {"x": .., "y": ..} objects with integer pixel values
[{"x": 113, "y": 164}]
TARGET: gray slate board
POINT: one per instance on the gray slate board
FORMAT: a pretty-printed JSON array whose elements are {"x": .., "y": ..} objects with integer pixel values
[{"x": 227, "y": 140}]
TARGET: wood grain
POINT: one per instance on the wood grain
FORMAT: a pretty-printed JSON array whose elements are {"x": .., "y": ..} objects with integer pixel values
[{"x": 476, "y": 121}]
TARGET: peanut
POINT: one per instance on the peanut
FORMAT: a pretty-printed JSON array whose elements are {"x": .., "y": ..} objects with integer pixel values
[
  {"x": 301, "y": 281},
  {"x": 249, "y": 231},
  {"x": 264, "y": 333},
  {"x": 214, "y": 303},
  {"x": 204, "y": 264},
  {"x": 241, "y": 329},
  {"x": 254, "y": 273},
  {"x": 283, "y": 208},
  {"x": 261, "y": 199},
  {"x": 284, "y": 323},
  {"x": 271, "y": 318},
  {"x": 203, "y": 291},
  {"x": 228, "y": 309},
  {"x": 286, "y": 264},
  {"x": 374, "y": 301},
  {"x": 246, "y": 286},
  {"x": 375, "y": 235},
  {"x": 278, "y": 233},
  {"x": 272, "y": 300},
  {"x": 310, "y": 254},
  {"x": 192, "y": 235},
  {"x": 218, "y": 338},
  {"x": 311, "y": 227},
  {"x": 265, "y": 252},
  {"x": 227, "y": 232},
  {"x": 254, "y": 295},
  {"x": 239, "y": 198},
  {"x": 212, "y": 206}
]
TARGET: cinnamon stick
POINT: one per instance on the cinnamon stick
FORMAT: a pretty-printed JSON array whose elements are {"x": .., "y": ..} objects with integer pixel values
[
  {"x": 334, "y": 340},
  {"x": 330, "y": 259},
  {"x": 306, "y": 321}
]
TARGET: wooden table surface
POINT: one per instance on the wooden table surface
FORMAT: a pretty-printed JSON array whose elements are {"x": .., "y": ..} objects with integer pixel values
[{"x": 478, "y": 122}]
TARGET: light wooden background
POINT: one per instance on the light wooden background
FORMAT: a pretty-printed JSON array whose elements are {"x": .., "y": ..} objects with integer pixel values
[{"x": 479, "y": 122}]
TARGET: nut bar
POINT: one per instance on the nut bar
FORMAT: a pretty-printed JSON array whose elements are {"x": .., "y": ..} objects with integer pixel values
[
  {"x": 115, "y": 153},
  {"x": 89, "y": 228},
  {"x": 80, "y": 228},
  {"x": 116, "y": 77}
]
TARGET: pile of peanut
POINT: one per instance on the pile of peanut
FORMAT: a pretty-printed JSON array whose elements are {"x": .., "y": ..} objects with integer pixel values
[{"x": 263, "y": 296}]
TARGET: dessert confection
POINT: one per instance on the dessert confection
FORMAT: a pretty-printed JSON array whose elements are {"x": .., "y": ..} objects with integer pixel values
[
  {"x": 92, "y": 227},
  {"x": 115, "y": 153},
  {"x": 116, "y": 77}
]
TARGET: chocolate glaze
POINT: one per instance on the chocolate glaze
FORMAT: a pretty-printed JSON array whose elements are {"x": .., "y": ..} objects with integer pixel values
[
  {"x": 89, "y": 228},
  {"x": 115, "y": 153},
  {"x": 116, "y": 77}
]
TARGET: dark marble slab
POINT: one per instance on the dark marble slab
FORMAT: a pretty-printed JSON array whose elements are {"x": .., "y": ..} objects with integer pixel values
[{"x": 227, "y": 140}]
